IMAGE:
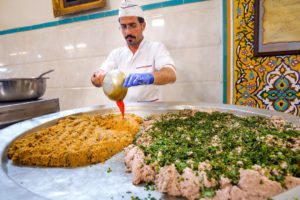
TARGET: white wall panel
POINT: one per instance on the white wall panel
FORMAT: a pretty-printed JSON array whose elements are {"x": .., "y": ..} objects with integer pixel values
[{"x": 192, "y": 33}]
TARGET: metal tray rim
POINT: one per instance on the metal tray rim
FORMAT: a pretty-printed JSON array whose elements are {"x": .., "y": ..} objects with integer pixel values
[{"x": 14, "y": 191}]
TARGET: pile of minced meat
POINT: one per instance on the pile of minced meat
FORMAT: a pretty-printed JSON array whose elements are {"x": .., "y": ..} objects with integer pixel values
[{"x": 214, "y": 155}]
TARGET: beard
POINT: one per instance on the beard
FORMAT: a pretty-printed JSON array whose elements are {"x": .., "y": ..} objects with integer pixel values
[{"x": 131, "y": 40}]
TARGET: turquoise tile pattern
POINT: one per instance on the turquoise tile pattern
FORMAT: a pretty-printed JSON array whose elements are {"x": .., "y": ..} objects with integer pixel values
[
  {"x": 225, "y": 81},
  {"x": 103, "y": 14}
]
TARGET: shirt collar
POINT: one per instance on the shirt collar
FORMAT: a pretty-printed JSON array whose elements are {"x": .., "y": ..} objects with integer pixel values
[{"x": 142, "y": 44}]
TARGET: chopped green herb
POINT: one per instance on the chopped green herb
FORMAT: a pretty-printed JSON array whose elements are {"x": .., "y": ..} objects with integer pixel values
[
  {"x": 146, "y": 198},
  {"x": 225, "y": 141},
  {"x": 150, "y": 186},
  {"x": 208, "y": 192},
  {"x": 135, "y": 198}
]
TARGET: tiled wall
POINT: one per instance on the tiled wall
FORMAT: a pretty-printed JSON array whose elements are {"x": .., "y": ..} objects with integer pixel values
[
  {"x": 192, "y": 33},
  {"x": 268, "y": 82}
]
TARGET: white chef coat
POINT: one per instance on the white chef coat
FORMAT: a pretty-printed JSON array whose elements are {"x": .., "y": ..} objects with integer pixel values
[{"x": 150, "y": 57}]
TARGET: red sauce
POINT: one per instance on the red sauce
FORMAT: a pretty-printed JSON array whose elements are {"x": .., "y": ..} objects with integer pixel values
[{"x": 121, "y": 107}]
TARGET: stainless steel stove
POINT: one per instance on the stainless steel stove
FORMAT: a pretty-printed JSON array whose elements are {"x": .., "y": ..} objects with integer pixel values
[{"x": 12, "y": 112}]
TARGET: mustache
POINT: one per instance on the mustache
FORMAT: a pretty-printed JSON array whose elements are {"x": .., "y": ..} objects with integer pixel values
[{"x": 130, "y": 36}]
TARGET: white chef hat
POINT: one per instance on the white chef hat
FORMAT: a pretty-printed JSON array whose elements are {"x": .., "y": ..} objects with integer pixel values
[{"x": 130, "y": 8}]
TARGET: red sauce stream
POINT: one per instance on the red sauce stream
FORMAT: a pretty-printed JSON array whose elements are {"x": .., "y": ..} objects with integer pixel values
[{"x": 121, "y": 107}]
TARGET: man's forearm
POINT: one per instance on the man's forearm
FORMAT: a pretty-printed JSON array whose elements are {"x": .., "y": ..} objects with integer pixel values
[{"x": 164, "y": 76}]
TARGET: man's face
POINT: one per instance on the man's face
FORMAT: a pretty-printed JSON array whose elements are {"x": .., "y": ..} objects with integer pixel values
[{"x": 132, "y": 30}]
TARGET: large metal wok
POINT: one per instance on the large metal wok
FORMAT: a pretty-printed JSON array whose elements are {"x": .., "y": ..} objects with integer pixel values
[
  {"x": 95, "y": 181},
  {"x": 16, "y": 89}
]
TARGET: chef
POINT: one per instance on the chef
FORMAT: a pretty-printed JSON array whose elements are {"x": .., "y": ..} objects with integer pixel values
[{"x": 146, "y": 64}]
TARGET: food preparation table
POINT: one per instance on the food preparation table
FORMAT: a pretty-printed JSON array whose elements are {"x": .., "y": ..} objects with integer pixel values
[{"x": 100, "y": 181}]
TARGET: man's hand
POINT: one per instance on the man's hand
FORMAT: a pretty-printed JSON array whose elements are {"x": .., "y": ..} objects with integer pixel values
[
  {"x": 97, "y": 78},
  {"x": 138, "y": 79}
]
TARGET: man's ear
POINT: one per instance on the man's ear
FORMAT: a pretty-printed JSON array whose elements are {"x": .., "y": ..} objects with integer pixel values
[{"x": 144, "y": 25}]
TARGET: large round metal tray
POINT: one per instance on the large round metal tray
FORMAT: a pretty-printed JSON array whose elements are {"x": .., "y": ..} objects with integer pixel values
[{"x": 94, "y": 181}]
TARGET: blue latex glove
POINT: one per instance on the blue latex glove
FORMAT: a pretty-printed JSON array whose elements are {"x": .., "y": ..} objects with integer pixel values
[{"x": 138, "y": 79}]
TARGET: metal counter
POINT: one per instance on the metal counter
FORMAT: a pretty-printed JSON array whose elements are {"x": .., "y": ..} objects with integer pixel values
[
  {"x": 94, "y": 181},
  {"x": 12, "y": 112}
]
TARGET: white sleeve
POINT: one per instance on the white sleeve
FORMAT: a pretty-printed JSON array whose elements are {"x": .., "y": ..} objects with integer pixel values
[
  {"x": 163, "y": 58},
  {"x": 110, "y": 62}
]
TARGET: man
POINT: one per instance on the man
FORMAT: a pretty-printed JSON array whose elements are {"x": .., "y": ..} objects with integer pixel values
[{"x": 146, "y": 64}]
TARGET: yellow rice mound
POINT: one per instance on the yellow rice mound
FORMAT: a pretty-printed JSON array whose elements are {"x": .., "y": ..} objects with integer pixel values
[{"x": 76, "y": 140}]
